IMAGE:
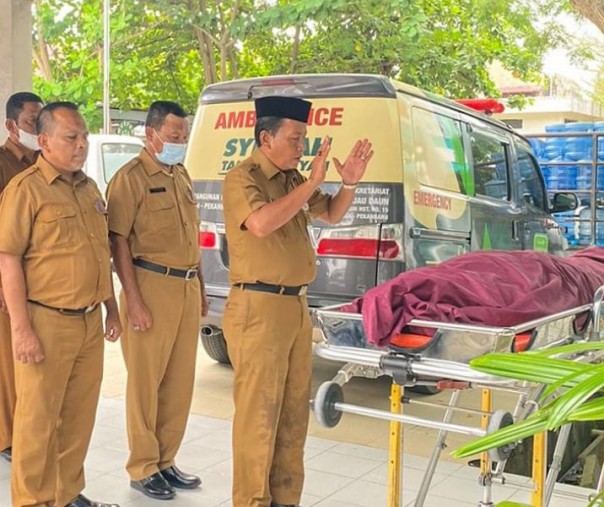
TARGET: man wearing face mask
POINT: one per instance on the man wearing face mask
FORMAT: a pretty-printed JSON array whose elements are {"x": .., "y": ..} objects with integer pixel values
[
  {"x": 154, "y": 227},
  {"x": 18, "y": 153}
]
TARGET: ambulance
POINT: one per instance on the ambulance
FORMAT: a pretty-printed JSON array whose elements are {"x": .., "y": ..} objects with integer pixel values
[{"x": 445, "y": 179}]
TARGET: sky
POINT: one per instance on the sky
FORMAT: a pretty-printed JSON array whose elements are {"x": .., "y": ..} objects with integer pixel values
[{"x": 558, "y": 62}]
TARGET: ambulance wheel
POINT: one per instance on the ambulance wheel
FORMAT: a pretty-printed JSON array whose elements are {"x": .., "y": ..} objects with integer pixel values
[
  {"x": 326, "y": 413},
  {"x": 500, "y": 419},
  {"x": 215, "y": 346}
]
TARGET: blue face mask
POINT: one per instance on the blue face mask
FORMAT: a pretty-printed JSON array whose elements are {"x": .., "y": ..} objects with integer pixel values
[{"x": 171, "y": 153}]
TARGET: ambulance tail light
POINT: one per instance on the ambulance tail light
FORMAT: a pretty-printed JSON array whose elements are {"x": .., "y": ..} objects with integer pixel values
[
  {"x": 381, "y": 241},
  {"x": 208, "y": 236}
]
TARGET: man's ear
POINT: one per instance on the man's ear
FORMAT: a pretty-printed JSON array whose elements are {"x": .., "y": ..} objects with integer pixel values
[
  {"x": 43, "y": 141},
  {"x": 266, "y": 138},
  {"x": 11, "y": 126}
]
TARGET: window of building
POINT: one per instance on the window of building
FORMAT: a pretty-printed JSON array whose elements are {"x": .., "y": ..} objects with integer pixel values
[{"x": 514, "y": 123}]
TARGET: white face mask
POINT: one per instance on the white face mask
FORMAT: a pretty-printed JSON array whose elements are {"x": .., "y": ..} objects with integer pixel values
[{"x": 28, "y": 140}]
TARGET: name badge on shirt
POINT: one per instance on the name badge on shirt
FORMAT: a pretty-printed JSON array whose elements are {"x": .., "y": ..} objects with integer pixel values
[{"x": 157, "y": 190}]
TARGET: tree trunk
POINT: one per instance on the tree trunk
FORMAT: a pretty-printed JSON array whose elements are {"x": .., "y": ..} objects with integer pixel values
[
  {"x": 295, "y": 50},
  {"x": 41, "y": 52},
  {"x": 592, "y": 10}
]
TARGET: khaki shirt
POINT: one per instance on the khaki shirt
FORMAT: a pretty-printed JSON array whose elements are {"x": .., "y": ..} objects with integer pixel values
[
  {"x": 59, "y": 229},
  {"x": 13, "y": 160},
  {"x": 156, "y": 211},
  {"x": 284, "y": 257}
]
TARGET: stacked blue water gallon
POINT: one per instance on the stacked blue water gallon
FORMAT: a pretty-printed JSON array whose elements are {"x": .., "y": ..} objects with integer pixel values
[{"x": 571, "y": 177}]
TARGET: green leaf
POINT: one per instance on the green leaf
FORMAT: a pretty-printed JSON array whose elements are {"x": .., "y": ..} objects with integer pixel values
[
  {"x": 576, "y": 396},
  {"x": 536, "y": 423}
]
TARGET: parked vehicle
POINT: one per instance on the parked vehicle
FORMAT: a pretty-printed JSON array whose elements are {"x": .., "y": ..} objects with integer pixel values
[
  {"x": 107, "y": 153},
  {"x": 445, "y": 179}
]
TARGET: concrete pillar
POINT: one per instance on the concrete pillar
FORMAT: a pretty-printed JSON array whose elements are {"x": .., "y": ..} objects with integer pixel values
[{"x": 15, "y": 51}]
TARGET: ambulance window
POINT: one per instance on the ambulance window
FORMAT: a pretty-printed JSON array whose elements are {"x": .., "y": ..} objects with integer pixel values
[
  {"x": 490, "y": 165},
  {"x": 439, "y": 152},
  {"x": 531, "y": 186}
]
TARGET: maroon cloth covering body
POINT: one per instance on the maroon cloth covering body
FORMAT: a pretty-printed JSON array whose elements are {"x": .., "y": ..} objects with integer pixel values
[{"x": 495, "y": 288}]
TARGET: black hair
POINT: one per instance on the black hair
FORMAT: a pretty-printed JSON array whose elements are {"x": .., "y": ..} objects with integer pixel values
[
  {"x": 159, "y": 110},
  {"x": 46, "y": 118},
  {"x": 16, "y": 103},
  {"x": 269, "y": 123}
]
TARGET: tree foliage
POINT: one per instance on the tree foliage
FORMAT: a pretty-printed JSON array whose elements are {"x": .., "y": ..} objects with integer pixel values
[{"x": 171, "y": 49}]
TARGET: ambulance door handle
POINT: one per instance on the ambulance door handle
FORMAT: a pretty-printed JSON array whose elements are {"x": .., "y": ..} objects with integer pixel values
[{"x": 526, "y": 228}]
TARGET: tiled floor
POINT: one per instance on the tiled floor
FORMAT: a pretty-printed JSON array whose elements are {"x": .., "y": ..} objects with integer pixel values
[{"x": 339, "y": 474}]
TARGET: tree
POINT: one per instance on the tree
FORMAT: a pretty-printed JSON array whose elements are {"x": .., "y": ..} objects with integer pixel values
[
  {"x": 171, "y": 49},
  {"x": 592, "y": 10}
]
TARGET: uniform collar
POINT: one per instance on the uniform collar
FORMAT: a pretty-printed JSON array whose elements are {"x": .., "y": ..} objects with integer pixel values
[
  {"x": 269, "y": 169},
  {"x": 51, "y": 174},
  {"x": 152, "y": 166},
  {"x": 19, "y": 152}
]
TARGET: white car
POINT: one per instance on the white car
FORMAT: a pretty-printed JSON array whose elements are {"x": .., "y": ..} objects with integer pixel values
[{"x": 107, "y": 153}]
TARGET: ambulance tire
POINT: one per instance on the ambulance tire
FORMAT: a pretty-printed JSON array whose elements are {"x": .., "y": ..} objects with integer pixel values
[
  {"x": 216, "y": 347},
  {"x": 500, "y": 419},
  {"x": 426, "y": 390},
  {"x": 328, "y": 394}
]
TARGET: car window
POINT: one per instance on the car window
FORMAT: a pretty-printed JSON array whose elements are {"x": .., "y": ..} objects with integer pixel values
[
  {"x": 490, "y": 160},
  {"x": 439, "y": 152},
  {"x": 531, "y": 186},
  {"x": 115, "y": 155}
]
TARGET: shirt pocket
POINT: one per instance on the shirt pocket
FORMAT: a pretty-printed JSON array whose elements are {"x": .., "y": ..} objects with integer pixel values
[
  {"x": 192, "y": 208},
  {"x": 58, "y": 225},
  {"x": 161, "y": 211}
]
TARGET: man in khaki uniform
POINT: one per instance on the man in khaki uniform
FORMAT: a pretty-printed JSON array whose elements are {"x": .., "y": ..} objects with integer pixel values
[
  {"x": 17, "y": 154},
  {"x": 268, "y": 205},
  {"x": 154, "y": 226},
  {"x": 55, "y": 265}
]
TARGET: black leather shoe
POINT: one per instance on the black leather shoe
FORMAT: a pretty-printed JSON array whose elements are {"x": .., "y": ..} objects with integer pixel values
[
  {"x": 273, "y": 504},
  {"x": 178, "y": 479},
  {"x": 154, "y": 486},
  {"x": 82, "y": 501},
  {"x": 7, "y": 454}
]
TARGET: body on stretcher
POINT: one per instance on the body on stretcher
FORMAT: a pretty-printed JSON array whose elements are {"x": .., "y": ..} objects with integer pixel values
[
  {"x": 451, "y": 345},
  {"x": 441, "y": 360}
]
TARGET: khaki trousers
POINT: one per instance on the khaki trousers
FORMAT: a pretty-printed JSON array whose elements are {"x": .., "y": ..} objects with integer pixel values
[
  {"x": 269, "y": 339},
  {"x": 56, "y": 408},
  {"x": 8, "y": 397},
  {"x": 161, "y": 370}
]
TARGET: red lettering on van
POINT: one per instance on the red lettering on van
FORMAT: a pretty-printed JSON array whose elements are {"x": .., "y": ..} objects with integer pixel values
[
  {"x": 430, "y": 200},
  {"x": 236, "y": 120},
  {"x": 324, "y": 116},
  {"x": 247, "y": 119}
]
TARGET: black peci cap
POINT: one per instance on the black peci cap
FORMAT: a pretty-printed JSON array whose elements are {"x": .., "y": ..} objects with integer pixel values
[{"x": 283, "y": 107}]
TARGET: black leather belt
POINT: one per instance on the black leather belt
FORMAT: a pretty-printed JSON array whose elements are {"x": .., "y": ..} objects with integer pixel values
[
  {"x": 66, "y": 311},
  {"x": 286, "y": 290},
  {"x": 187, "y": 274}
]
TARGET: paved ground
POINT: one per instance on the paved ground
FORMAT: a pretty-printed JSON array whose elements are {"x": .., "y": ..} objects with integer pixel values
[{"x": 346, "y": 466}]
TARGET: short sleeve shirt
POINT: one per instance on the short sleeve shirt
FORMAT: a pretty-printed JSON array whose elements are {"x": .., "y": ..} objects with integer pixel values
[
  {"x": 156, "y": 211},
  {"x": 58, "y": 228},
  {"x": 284, "y": 257},
  {"x": 13, "y": 160}
]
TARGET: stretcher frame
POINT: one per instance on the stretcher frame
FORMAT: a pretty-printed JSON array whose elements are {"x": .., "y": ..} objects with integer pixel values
[{"x": 411, "y": 369}]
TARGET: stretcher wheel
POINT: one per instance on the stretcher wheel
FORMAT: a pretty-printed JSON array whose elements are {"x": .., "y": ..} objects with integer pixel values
[
  {"x": 328, "y": 394},
  {"x": 500, "y": 419}
]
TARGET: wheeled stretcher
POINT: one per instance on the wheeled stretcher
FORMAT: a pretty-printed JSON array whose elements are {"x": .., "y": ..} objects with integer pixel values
[{"x": 441, "y": 362}]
